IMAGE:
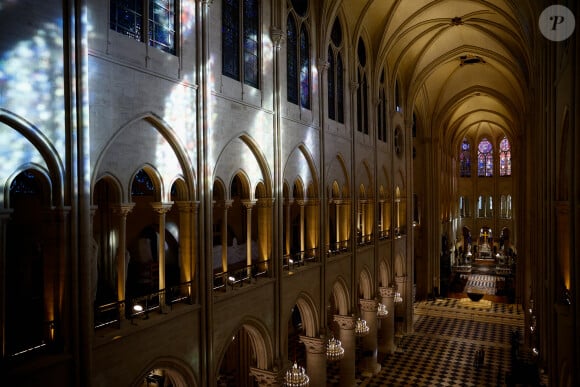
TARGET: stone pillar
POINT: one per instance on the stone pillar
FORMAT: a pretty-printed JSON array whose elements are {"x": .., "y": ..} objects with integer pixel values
[
  {"x": 161, "y": 209},
  {"x": 264, "y": 237},
  {"x": 266, "y": 378},
  {"x": 121, "y": 211},
  {"x": 369, "y": 365},
  {"x": 224, "y": 232},
  {"x": 387, "y": 335},
  {"x": 403, "y": 309},
  {"x": 315, "y": 359},
  {"x": 287, "y": 236},
  {"x": 187, "y": 211},
  {"x": 346, "y": 325},
  {"x": 249, "y": 204},
  {"x": 301, "y": 204}
]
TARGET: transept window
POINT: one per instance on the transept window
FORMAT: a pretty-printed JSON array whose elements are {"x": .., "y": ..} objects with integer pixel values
[
  {"x": 465, "y": 159},
  {"x": 240, "y": 40},
  {"x": 505, "y": 158},
  {"x": 335, "y": 75},
  {"x": 485, "y": 158},
  {"x": 298, "y": 54},
  {"x": 362, "y": 97},
  {"x": 154, "y": 20}
]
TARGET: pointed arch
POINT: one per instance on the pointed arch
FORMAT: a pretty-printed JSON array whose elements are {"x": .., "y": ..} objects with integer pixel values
[
  {"x": 341, "y": 296},
  {"x": 54, "y": 165},
  {"x": 309, "y": 313},
  {"x": 366, "y": 284},
  {"x": 178, "y": 372}
]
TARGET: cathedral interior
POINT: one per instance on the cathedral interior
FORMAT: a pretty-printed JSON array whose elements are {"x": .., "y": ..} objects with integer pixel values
[{"x": 289, "y": 193}]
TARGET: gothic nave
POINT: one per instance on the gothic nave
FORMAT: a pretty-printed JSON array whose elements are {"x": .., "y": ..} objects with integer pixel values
[{"x": 238, "y": 193}]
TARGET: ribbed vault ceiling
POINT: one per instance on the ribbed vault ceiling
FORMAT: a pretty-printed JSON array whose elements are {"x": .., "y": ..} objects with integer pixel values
[{"x": 463, "y": 65}]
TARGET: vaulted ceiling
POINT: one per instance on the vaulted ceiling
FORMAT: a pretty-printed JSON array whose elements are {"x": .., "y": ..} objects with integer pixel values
[{"x": 464, "y": 66}]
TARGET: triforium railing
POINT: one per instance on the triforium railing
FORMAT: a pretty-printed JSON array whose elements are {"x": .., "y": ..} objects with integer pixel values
[
  {"x": 237, "y": 277},
  {"x": 111, "y": 314}
]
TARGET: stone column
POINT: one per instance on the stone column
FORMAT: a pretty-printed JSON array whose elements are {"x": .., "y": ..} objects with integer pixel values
[
  {"x": 161, "y": 209},
  {"x": 121, "y": 211},
  {"x": 346, "y": 326},
  {"x": 186, "y": 238},
  {"x": 266, "y": 378},
  {"x": 369, "y": 365},
  {"x": 287, "y": 236},
  {"x": 224, "y": 234},
  {"x": 387, "y": 335},
  {"x": 301, "y": 203},
  {"x": 249, "y": 204},
  {"x": 264, "y": 237},
  {"x": 315, "y": 359}
]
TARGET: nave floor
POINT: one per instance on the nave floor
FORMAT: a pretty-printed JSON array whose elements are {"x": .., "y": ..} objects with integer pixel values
[{"x": 441, "y": 351}]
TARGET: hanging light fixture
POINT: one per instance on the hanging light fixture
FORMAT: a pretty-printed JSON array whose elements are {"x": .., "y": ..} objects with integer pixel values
[
  {"x": 296, "y": 377},
  {"x": 334, "y": 349},
  {"x": 361, "y": 328},
  {"x": 398, "y": 298},
  {"x": 382, "y": 311}
]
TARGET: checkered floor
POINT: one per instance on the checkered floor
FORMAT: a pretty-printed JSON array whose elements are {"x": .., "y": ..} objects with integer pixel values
[{"x": 441, "y": 351}]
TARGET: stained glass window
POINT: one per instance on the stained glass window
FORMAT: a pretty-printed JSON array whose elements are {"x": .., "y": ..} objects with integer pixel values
[
  {"x": 162, "y": 25},
  {"x": 128, "y": 18},
  {"x": 230, "y": 38},
  {"x": 240, "y": 34},
  {"x": 505, "y": 158},
  {"x": 251, "y": 42},
  {"x": 331, "y": 75},
  {"x": 142, "y": 184},
  {"x": 304, "y": 68},
  {"x": 485, "y": 158},
  {"x": 298, "y": 54},
  {"x": 291, "y": 61},
  {"x": 465, "y": 159},
  {"x": 335, "y": 77},
  {"x": 362, "y": 97}
]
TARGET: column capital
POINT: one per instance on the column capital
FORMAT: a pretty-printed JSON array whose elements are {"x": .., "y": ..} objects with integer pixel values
[
  {"x": 322, "y": 65},
  {"x": 122, "y": 208},
  {"x": 266, "y": 377},
  {"x": 161, "y": 207},
  {"x": 387, "y": 292},
  {"x": 265, "y": 202},
  {"x": 5, "y": 213},
  {"x": 345, "y": 322},
  {"x": 249, "y": 203},
  {"x": 312, "y": 201},
  {"x": 368, "y": 305},
  {"x": 314, "y": 344},
  {"x": 277, "y": 35},
  {"x": 300, "y": 202},
  {"x": 400, "y": 279},
  {"x": 187, "y": 206}
]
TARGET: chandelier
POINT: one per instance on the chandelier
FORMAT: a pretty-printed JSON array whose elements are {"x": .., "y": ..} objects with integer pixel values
[
  {"x": 334, "y": 349},
  {"x": 398, "y": 297},
  {"x": 296, "y": 377},
  {"x": 361, "y": 328},
  {"x": 382, "y": 311}
]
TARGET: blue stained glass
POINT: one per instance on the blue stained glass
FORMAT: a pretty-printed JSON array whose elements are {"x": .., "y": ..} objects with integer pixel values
[
  {"x": 230, "y": 39},
  {"x": 291, "y": 61},
  {"x": 251, "y": 45},
  {"x": 304, "y": 68},
  {"x": 340, "y": 89},
  {"x": 142, "y": 184},
  {"x": 331, "y": 100}
]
